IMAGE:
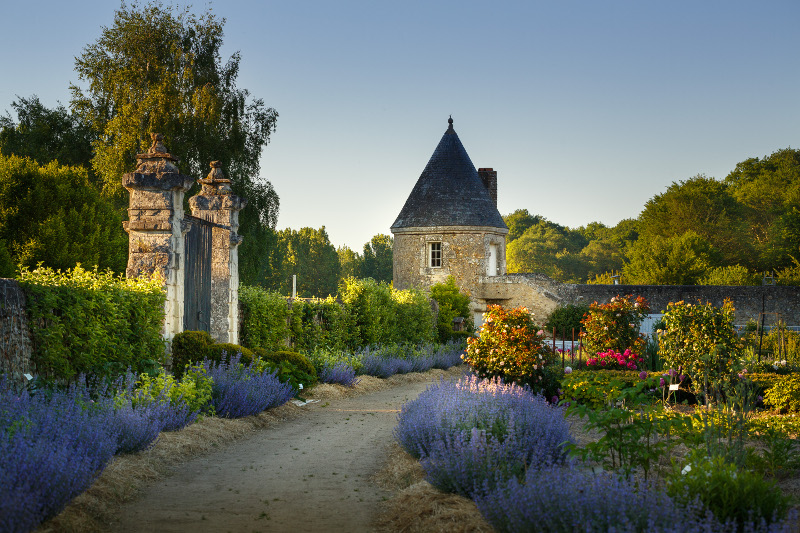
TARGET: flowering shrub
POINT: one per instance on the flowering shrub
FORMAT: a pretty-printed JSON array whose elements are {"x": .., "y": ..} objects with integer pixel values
[
  {"x": 511, "y": 347},
  {"x": 52, "y": 446},
  {"x": 612, "y": 360},
  {"x": 240, "y": 390},
  {"x": 340, "y": 372},
  {"x": 615, "y": 325},
  {"x": 700, "y": 338},
  {"x": 576, "y": 499},
  {"x": 784, "y": 396},
  {"x": 470, "y": 432}
]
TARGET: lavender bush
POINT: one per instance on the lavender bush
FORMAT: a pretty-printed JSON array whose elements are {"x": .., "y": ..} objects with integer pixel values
[
  {"x": 571, "y": 499},
  {"x": 52, "y": 446},
  {"x": 243, "y": 390},
  {"x": 477, "y": 431},
  {"x": 340, "y": 372},
  {"x": 386, "y": 361}
]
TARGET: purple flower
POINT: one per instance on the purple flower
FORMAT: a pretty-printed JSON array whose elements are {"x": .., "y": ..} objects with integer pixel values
[{"x": 643, "y": 374}]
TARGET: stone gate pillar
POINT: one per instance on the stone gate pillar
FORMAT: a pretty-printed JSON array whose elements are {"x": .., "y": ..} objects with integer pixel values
[
  {"x": 216, "y": 203},
  {"x": 155, "y": 226}
]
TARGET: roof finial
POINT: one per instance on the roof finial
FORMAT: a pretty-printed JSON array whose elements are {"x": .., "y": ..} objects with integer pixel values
[{"x": 450, "y": 123}]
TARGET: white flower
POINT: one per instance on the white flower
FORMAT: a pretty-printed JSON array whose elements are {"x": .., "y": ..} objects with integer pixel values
[
  {"x": 568, "y": 370},
  {"x": 686, "y": 469}
]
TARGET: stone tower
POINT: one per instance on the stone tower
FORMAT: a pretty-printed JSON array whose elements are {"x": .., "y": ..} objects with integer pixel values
[{"x": 450, "y": 225}]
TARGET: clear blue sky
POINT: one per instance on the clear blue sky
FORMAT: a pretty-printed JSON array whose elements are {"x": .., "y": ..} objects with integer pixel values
[{"x": 586, "y": 109}]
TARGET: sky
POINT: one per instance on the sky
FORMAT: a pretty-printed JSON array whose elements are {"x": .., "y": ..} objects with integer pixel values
[{"x": 586, "y": 109}]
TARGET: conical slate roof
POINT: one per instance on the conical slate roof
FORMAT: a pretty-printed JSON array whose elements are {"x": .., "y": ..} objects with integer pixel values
[{"x": 449, "y": 192}]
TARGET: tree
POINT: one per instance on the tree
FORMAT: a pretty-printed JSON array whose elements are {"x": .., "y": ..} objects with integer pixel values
[
  {"x": 157, "y": 69},
  {"x": 518, "y": 222},
  {"x": 378, "y": 258},
  {"x": 701, "y": 205},
  {"x": 600, "y": 256},
  {"x": 308, "y": 254},
  {"x": 452, "y": 303},
  {"x": 678, "y": 260},
  {"x": 549, "y": 249},
  {"x": 730, "y": 275},
  {"x": 51, "y": 214},
  {"x": 45, "y": 135}
]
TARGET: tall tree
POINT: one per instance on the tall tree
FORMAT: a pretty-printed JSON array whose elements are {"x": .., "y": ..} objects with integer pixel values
[
  {"x": 518, "y": 222},
  {"x": 308, "y": 254},
  {"x": 678, "y": 260},
  {"x": 378, "y": 258},
  {"x": 701, "y": 205},
  {"x": 51, "y": 214},
  {"x": 159, "y": 69},
  {"x": 350, "y": 262},
  {"x": 45, "y": 135}
]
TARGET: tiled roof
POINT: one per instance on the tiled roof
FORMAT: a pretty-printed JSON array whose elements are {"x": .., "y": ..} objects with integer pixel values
[{"x": 449, "y": 191}]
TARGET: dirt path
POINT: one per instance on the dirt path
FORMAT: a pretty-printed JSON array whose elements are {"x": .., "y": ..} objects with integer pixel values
[{"x": 311, "y": 474}]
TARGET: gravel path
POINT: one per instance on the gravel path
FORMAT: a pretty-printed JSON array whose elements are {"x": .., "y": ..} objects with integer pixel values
[{"x": 309, "y": 474}]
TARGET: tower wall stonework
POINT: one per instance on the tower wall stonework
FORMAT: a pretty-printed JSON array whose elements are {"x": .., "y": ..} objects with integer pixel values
[{"x": 465, "y": 256}]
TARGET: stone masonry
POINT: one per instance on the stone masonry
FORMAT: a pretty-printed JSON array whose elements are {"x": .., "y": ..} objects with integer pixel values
[
  {"x": 216, "y": 203},
  {"x": 156, "y": 226}
]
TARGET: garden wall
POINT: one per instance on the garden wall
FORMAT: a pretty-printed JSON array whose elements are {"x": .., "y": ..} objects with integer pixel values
[
  {"x": 15, "y": 338},
  {"x": 541, "y": 295}
]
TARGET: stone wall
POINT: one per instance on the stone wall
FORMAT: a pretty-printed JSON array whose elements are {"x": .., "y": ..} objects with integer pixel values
[
  {"x": 16, "y": 347},
  {"x": 541, "y": 295}
]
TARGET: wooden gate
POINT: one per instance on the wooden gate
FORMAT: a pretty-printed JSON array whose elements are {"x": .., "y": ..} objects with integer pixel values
[{"x": 197, "y": 289}]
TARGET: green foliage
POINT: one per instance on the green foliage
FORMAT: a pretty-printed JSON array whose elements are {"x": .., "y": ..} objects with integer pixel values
[
  {"x": 727, "y": 491},
  {"x": 222, "y": 353},
  {"x": 634, "y": 433},
  {"x": 265, "y": 318},
  {"x": 293, "y": 367},
  {"x": 193, "y": 389},
  {"x": 566, "y": 318},
  {"x": 703, "y": 207},
  {"x": 308, "y": 254},
  {"x": 549, "y": 249},
  {"x": 376, "y": 310},
  {"x": 615, "y": 325},
  {"x": 189, "y": 347},
  {"x": 784, "y": 395},
  {"x": 158, "y": 68},
  {"x": 518, "y": 222},
  {"x": 729, "y": 275},
  {"x": 51, "y": 215},
  {"x": 91, "y": 322},
  {"x": 778, "y": 456},
  {"x": 677, "y": 260},
  {"x": 700, "y": 339},
  {"x": 596, "y": 389},
  {"x": 378, "y": 258},
  {"x": 323, "y": 323},
  {"x": 45, "y": 135},
  {"x": 512, "y": 347},
  {"x": 452, "y": 303}
]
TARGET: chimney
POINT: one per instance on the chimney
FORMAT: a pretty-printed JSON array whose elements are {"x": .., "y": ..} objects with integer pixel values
[{"x": 489, "y": 178}]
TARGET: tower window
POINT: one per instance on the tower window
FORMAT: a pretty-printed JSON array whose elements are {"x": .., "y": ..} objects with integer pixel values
[{"x": 435, "y": 255}]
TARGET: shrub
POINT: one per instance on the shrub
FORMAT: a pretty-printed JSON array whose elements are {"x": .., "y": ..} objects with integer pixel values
[
  {"x": 193, "y": 390},
  {"x": 566, "y": 318},
  {"x": 615, "y": 325},
  {"x": 189, "y": 347},
  {"x": 469, "y": 432},
  {"x": 575, "y": 499},
  {"x": 297, "y": 367},
  {"x": 242, "y": 390},
  {"x": 784, "y": 396},
  {"x": 223, "y": 352},
  {"x": 340, "y": 372},
  {"x": 452, "y": 303},
  {"x": 511, "y": 347},
  {"x": 596, "y": 389},
  {"x": 734, "y": 495},
  {"x": 321, "y": 324},
  {"x": 52, "y": 446},
  {"x": 90, "y": 322},
  {"x": 265, "y": 316},
  {"x": 612, "y": 360},
  {"x": 700, "y": 340}
]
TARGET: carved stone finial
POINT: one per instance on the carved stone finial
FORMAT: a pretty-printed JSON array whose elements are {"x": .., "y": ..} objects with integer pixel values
[
  {"x": 450, "y": 123},
  {"x": 158, "y": 144},
  {"x": 216, "y": 175}
]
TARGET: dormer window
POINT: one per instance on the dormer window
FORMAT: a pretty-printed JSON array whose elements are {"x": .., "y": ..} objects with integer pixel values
[{"x": 435, "y": 255}]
